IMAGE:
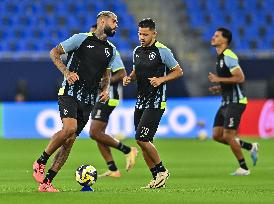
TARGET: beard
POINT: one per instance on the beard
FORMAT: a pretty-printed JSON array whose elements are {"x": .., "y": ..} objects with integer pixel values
[{"x": 108, "y": 31}]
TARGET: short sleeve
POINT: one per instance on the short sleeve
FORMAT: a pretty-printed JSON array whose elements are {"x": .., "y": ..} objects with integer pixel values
[
  {"x": 110, "y": 64},
  {"x": 74, "y": 42},
  {"x": 168, "y": 58},
  {"x": 231, "y": 63},
  {"x": 117, "y": 63}
]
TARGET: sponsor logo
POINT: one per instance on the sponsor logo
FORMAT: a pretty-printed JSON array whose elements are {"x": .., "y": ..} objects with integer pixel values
[{"x": 266, "y": 120}]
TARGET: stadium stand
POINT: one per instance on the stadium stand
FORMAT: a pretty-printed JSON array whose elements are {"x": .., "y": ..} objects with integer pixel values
[
  {"x": 252, "y": 22},
  {"x": 40, "y": 24}
]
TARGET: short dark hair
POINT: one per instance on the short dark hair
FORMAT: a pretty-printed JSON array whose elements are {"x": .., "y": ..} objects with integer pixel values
[
  {"x": 226, "y": 34},
  {"x": 147, "y": 23}
]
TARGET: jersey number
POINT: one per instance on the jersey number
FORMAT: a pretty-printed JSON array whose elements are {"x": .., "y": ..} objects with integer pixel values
[{"x": 144, "y": 131}]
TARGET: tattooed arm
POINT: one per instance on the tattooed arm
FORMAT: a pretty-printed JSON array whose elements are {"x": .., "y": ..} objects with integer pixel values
[
  {"x": 104, "y": 96},
  {"x": 55, "y": 55}
]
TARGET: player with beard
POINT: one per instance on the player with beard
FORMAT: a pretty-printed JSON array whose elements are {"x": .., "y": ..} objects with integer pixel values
[
  {"x": 100, "y": 116},
  {"x": 90, "y": 59}
]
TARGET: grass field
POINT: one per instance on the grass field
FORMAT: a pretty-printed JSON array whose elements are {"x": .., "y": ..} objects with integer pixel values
[{"x": 199, "y": 174}]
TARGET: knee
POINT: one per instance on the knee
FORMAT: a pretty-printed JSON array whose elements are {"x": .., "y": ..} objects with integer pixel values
[
  {"x": 69, "y": 131},
  {"x": 216, "y": 137},
  {"x": 228, "y": 138},
  {"x": 141, "y": 144},
  {"x": 94, "y": 133}
]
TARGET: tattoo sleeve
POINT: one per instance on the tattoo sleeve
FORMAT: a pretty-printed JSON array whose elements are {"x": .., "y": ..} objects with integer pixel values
[{"x": 55, "y": 54}]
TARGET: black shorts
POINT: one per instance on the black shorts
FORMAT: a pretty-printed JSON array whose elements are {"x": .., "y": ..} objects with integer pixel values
[
  {"x": 70, "y": 107},
  {"x": 146, "y": 123},
  {"x": 101, "y": 112},
  {"x": 229, "y": 116}
]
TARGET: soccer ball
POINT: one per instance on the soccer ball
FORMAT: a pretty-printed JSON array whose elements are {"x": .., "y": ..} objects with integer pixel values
[{"x": 86, "y": 175}]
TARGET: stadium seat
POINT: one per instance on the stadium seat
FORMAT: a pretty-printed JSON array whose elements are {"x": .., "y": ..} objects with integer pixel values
[
  {"x": 252, "y": 22},
  {"x": 40, "y": 25}
]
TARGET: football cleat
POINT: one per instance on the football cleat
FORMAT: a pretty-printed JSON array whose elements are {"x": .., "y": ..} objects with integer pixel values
[
  {"x": 115, "y": 174},
  {"x": 149, "y": 185},
  {"x": 130, "y": 158},
  {"x": 254, "y": 153},
  {"x": 240, "y": 172},
  {"x": 161, "y": 178},
  {"x": 38, "y": 171},
  {"x": 47, "y": 187}
]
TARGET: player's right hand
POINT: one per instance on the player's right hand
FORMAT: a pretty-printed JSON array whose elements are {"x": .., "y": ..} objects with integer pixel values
[
  {"x": 126, "y": 80},
  {"x": 71, "y": 77},
  {"x": 215, "y": 89}
]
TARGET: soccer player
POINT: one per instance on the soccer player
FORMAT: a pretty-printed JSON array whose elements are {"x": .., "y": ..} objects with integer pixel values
[
  {"x": 151, "y": 62},
  {"x": 90, "y": 57},
  {"x": 100, "y": 116},
  {"x": 231, "y": 78}
]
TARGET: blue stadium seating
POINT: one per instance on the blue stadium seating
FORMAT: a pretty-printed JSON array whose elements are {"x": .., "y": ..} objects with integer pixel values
[
  {"x": 41, "y": 24},
  {"x": 252, "y": 21}
]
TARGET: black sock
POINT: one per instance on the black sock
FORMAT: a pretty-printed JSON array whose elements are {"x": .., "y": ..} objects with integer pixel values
[
  {"x": 43, "y": 158},
  {"x": 50, "y": 176},
  {"x": 112, "y": 166},
  {"x": 243, "y": 164},
  {"x": 246, "y": 145},
  {"x": 125, "y": 149},
  {"x": 154, "y": 172},
  {"x": 160, "y": 167}
]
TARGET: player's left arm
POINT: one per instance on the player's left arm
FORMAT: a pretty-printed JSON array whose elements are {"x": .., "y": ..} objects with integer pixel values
[
  {"x": 237, "y": 75},
  {"x": 105, "y": 82}
]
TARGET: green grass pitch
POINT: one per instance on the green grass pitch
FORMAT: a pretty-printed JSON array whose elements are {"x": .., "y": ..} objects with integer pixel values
[{"x": 199, "y": 174}]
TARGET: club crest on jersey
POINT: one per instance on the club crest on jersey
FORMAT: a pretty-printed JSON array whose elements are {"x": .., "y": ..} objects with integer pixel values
[
  {"x": 107, "y": 52},
  {"x": 152, "y": 56},
  {"x": 221, "y": 63}
]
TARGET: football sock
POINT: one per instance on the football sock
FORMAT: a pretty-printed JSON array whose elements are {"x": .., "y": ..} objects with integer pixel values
[
  {"x": 160, "y": 167},
  {"x": 112, "y": 166},
  {"x": 50, "y": 176},
  {"x": 154, "y": 172},
  {"x": 243, "y": 164},
  {"x": 125, "y": 149},
  {"x": 43, "y": 158},
  {"x": 245, "y": 145}
]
